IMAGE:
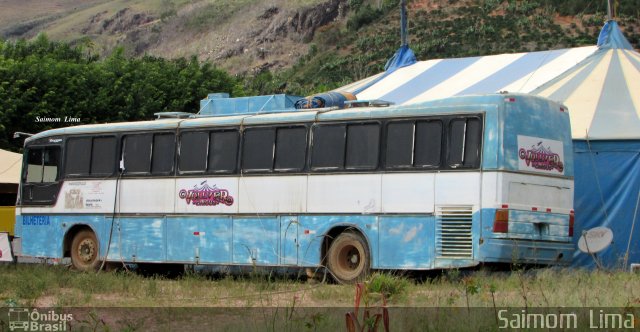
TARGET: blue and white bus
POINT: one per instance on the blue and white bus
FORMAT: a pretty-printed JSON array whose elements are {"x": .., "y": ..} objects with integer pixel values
[{"x": 449, "y": 183}]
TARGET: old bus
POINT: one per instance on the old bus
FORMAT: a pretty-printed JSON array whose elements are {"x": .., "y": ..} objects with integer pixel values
[{"x": 448, "y": 183}]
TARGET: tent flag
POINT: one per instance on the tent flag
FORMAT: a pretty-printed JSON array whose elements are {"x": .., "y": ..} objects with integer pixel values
[
  {"x": 611, "y": 37},
  {"x": 403, "y": 57}
]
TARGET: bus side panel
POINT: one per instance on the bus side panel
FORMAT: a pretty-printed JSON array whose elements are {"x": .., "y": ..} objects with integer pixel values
[
  {"x": 43, "y": 235},
  {"x": 272, "y": 194},
  {"x": 256, "y": 240},
  {"x": 524, "y": 249},
  {"x": 351, "y": 193},
  {"x": 199, "y": 239},
  {"x": 312, "y": 230},
  {"x": 407, "y": 242},
  {"x": 541, "y": 121},
  {"x": 139, "y": 239},
  {"x": 492, "y": 148},
  {"x": 17, "y": 229}
]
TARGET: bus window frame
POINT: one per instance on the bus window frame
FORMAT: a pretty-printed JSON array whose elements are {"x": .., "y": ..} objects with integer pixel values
[
  {"x": 480, "y": 145},
  {"x": 207, "y": 134},
  {"x": 53, "y": 187},
  {"x": 149, "y": 173},
  {"x": 346, "y": 124},
  {"x": 92, "y": 138},
  {"x": 414, "y": 121},
  {"x": 273, "y": 169}
]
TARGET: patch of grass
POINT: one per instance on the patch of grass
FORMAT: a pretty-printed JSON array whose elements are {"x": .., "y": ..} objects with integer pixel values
[
  {"x": 216, "y": 13},
  {"x": 389, "y": 285}
]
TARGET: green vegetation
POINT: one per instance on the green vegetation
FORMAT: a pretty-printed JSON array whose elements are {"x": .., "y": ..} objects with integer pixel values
[
  {"x": 45, "y": 79},
  {"x": 390, "y": 286}
]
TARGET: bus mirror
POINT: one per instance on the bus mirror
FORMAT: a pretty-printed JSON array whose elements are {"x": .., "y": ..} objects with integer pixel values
[{"x": 121, "y": 165}]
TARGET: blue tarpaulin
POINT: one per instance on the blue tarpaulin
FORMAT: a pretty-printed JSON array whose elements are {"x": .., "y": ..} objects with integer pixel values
[{"x": 607, "y": 190}]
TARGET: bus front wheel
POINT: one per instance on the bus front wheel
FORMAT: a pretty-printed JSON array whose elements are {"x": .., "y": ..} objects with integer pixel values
[
  {"x": 84, "y": 251},
  {"x": 348, "y": 258}
]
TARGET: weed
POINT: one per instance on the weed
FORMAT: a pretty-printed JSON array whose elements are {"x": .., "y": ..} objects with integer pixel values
[
  {"x": 370, "y": 319},
  {"x": 390, "y": 286},
  {"x": 152, "y": 287}
]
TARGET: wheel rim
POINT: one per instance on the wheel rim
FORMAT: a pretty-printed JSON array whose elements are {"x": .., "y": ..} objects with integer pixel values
[
  {"x": 86, "y": 251},
  {"x": 349, "y": 261}
]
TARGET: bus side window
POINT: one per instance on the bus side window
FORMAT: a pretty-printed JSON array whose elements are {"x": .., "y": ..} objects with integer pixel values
[
  {"x": 363, "y": 146},
  {"x": 77, "y": 161},
  {"x": 428, "y": 143},
  {"x": 472, "y": 142},
  {"x": 223, "y": 151},
  {"x": 51, "y": 163},
  {"x": 464, "y": 142},
  {"x": 43, "y": 165},
  {"x": 193, "y": 151},
  {"x": 291, "y": 148},
  {"x": 40, "y": 186},
  {"x": 163, "y": 153},
  {"x": 399, "y": 145},
  {"x": 103, "y": 156},
  {"x": 328, "y": 147},
  {"x": 258, "y": 149},
  {"x": 34, "y": 166},
  {"x": 136, "y": 153},
  {"x": 87, "y": 156}
]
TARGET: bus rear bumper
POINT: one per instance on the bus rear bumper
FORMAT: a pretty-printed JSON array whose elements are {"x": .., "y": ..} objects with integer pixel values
[{"x": 526, "y": 251}]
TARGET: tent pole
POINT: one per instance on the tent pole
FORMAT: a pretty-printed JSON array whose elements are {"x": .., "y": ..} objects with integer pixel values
[
  {"x": 403, "y": 22},
  {"x": 609, "y": 10},
  {"x": 633, "y": 224}
]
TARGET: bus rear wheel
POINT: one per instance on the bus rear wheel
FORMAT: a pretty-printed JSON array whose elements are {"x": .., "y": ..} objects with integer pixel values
[
  {"x": 348, "y": 258},
  {"x": 84, "y": 251}
]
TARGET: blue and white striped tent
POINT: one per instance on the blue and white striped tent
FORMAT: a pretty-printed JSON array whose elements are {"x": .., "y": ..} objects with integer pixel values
[{"x": 601, "y": 87}]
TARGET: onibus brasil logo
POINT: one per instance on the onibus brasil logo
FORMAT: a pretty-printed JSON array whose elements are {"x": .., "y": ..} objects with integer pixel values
[
  {"x": 205, "y": 195},
  {"x": 541, "y": 157},
  {"x": 21, "y": 319}
]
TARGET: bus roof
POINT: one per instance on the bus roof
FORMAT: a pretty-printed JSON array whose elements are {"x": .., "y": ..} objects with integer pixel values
[{"x": 474, "y": 103}]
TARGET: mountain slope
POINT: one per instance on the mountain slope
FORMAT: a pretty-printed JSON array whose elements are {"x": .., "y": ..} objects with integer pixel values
[{"x": 310, "y": 43}]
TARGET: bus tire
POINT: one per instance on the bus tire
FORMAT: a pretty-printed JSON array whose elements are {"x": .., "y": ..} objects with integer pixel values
[
  {"x": 348, "y": 258},
  {"x": 84, "y": 251}
]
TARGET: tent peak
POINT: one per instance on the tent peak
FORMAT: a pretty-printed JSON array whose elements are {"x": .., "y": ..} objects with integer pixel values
[{"x": 611, "y": 37}]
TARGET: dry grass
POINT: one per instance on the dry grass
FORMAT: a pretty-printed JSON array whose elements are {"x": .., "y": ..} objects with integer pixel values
[
  {"x": 45, "y": 286},
  {"x": 451, "y": 300}
]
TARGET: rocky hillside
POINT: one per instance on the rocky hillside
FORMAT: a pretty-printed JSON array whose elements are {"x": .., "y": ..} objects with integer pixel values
[
  {"x": 342, "y": 39},
  {"x": 238, "y": 35}
]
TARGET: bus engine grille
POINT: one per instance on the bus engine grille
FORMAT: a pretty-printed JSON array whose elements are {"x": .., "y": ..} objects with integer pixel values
[{"x": 453, "y": 232}]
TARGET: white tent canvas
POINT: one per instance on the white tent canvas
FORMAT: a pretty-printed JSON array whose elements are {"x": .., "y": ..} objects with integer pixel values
[{"x": 599, "y": 84}]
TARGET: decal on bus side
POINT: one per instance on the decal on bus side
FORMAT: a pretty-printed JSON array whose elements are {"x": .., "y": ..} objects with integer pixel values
[
  {"x": 205, "y": 195},
  {"x": 84, "y": 195},
  {"x": 36, "y": 221},
  {"x": 540, "y": 155}
]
